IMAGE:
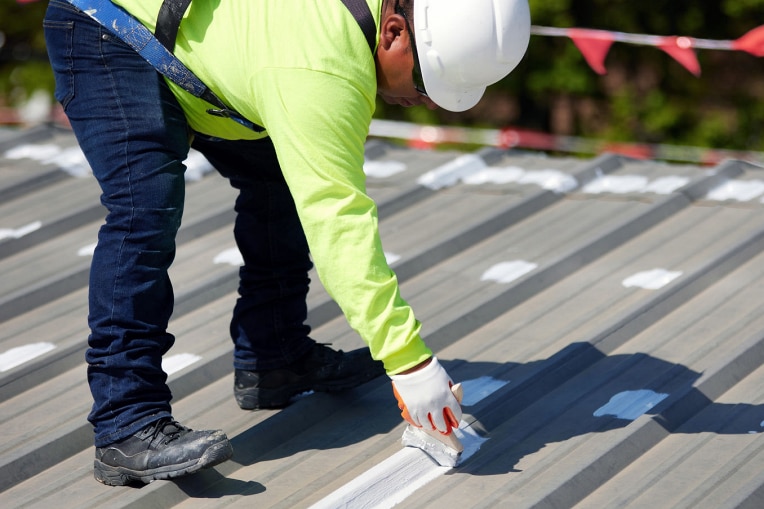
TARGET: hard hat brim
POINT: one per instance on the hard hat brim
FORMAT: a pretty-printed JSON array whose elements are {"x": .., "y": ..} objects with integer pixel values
[{"x": 448, "y": 98}]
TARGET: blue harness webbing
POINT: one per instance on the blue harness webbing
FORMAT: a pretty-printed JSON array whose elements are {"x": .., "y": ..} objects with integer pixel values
[{"x": 159, "y": 55}]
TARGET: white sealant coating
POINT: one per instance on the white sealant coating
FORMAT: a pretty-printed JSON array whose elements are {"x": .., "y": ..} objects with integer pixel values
[
  {"x": 494, "y": 175},
  {"x": 666, "y": 185},
  {"x": 175, "y": 363},
  {"x": 506, "y": 272},
  {"x": 230, "y": 256},
  {"x": 17, "y": 233},
  {"x": 383, "y": 169},
  {"x": 631, "y": 404},
  {"x": 450, "y": 173},
  {"x": 480, "y": 388},
  {"x": 87, "y": 250},
  {"x": 197, "y": 166},
  {"x": 391, "y": 258},
  {"x": 38, "y": 152},
  {"x": 738, "y": 190},
  {"x": 21, "y": 354},
  {"x": 552, "y": 180},
  {"x": 619, "y": 184},
  {"x": 654, "y": 279},
  {"x": 72, "y": 161},
  {"x": 393, "y": 480}
]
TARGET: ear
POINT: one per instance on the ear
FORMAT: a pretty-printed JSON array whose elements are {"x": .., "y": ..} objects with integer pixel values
[{"x": 392, "y": 28}]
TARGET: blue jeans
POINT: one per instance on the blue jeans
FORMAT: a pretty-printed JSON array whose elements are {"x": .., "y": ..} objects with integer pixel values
[{"x": 135, "y": 137}]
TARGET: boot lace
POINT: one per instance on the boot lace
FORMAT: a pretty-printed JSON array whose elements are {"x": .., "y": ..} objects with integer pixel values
[{"x": 165, "y": 430}]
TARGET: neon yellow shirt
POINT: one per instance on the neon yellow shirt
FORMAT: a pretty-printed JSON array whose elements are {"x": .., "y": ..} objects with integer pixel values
[{"x": 303, "y": 70}]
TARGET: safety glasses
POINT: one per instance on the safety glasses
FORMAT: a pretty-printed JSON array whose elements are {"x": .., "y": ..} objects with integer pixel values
[{"x": 416, "y": 72}]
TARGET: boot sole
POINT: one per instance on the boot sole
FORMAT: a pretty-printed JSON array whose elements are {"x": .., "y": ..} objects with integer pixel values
[{"x": 121, "y": 476}]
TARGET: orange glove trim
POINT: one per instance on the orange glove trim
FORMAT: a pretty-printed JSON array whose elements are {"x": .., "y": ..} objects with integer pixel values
[{"x": 404, "y": 410}]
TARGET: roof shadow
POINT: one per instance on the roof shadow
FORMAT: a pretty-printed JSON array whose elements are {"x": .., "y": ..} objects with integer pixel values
[
  {"x": 582, "y": 391},
  {"x": 576, "y": 392}
]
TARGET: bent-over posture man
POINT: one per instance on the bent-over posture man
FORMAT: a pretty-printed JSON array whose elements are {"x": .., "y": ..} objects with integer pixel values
[{"x": 308, "y": 74}]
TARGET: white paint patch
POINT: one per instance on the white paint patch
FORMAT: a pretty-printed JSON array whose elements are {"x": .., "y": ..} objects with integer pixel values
[
  {"x": 453, "y": 171},
  {"x": 175, "y": 363},
  {"x": 480, "y": 388},
  {"x": 87, "y": 250},
  {"x": 230, "y": 256},
  {"x": 622, "y": 184},
  {"x": 631, "y": 404},
  {"x": 391, "y": 258},
  {"x": 651, "y": 279},
  {"x": 618, "y": 184},
  {"x": 16, "y": 233},
  {"x": 666, "y": 185},
  {"x": 21, "y": 354},
  {"x": 506, "y": 272},
  {"x": 197, "y": 166},
  {"x": 36, "y": 109},
  {"x": 391, "y": 481},
  {"x": 38, "y": 152},
  {"x": 738, "y": 190},
  {"x": 552, "y": 180},
  {"x": 383, "y": 169},
  {"x": 494, "y": 176},
  {"x": 72, "y": 161}
]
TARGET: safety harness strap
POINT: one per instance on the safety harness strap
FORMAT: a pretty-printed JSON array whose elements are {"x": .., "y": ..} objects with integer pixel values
[
  {"x": 157, "y": 49},
  {"x": 138, "y": 37},
  {"x": 171, "y": 13},
  {"x": 168, "y": 21},
  {"x": 362, "y": 14}
]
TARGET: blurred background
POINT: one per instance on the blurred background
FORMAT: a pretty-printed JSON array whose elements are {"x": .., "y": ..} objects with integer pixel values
[{"x": 643, "y": 94}]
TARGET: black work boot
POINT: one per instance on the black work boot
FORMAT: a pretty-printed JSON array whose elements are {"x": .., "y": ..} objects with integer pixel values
[
  {"x": 162, "y": 450},
  {"x": 322, "y": 370}
]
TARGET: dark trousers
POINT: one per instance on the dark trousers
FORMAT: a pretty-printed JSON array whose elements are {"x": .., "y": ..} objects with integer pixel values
[{"x": 135, "y": 137}]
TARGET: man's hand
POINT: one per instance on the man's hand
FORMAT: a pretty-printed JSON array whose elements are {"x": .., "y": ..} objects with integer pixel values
[{"x": 425, "y": 398}]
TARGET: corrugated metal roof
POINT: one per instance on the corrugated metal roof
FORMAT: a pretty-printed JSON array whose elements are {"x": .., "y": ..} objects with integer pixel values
[{"x": 604, "y": 315}]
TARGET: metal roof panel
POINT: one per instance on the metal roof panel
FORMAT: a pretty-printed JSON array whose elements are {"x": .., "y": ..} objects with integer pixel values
[{"x": 603, "y": 314}]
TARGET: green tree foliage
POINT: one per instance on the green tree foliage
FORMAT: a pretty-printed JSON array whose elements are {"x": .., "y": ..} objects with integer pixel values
[
  {"x": 645, "y": 96},
  {"x": 24, "y": 64}
]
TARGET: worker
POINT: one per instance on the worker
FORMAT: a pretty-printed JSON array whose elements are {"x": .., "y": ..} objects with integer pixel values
[{"x": 305, "y": 73}]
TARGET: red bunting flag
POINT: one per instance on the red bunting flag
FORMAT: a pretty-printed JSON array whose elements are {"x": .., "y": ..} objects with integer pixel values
[
  {"x": 593, "y": 45},
  {"x": 681, "y": 49},
  {"x": 752, "y": 42}
]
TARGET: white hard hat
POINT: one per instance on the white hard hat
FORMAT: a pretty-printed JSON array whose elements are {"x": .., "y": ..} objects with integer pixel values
[{"x": 464, "y": 46}]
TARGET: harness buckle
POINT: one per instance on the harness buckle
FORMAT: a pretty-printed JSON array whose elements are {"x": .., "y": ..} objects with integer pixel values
[{"x": 219, "y": 112}]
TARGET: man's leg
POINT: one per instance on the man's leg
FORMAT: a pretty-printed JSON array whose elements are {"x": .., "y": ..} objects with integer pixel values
[
  {"x": 274, "y": 356},
  {"x": 134, "y": 135},
  {"x": 268, "y": 325}
]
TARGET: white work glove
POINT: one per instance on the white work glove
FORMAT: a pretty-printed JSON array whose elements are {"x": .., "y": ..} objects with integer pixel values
[{"x": 425, "y": 398}]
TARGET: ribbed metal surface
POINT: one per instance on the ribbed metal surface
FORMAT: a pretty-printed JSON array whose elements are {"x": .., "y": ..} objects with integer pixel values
[{"x": 605, "y": 313}]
